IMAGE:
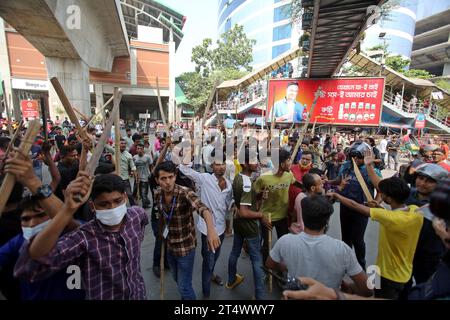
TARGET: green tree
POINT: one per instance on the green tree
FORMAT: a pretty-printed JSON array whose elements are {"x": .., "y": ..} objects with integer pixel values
[
  {"x": 233, "y": 51},
  {"x": 444, "y": 84},
  {"x": 418, "y": 73},
  {"x": 198, "y": 88},
  {"x": 398, "y": 63},
  {"x": 229, "y": 60},
  {"x": 193, "y": 85}
]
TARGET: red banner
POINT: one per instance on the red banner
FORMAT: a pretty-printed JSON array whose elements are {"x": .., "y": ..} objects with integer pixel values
[
  {"x": 346, "y": 101},
  {"x": 29, "y": 108}
]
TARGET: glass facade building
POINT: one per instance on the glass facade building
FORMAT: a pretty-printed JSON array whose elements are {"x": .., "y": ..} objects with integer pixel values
[
  {"x": 400, "y": 24},
  {"x": 266, "y": 21}
]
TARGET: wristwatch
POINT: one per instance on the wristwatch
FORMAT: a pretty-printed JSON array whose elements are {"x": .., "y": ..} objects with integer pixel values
[{"x": 43, "y": 192}]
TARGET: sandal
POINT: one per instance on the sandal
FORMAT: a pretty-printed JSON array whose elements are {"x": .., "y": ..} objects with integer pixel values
[{"x": 218, "y": 280}]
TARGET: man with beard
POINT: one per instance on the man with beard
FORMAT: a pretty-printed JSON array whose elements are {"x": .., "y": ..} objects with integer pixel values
[
  {"x": 312, "y": 185},
  {"x": 298, "y": 170},
  {"x": 440, "y": 158},
  {"x": 127, "y": 167}
]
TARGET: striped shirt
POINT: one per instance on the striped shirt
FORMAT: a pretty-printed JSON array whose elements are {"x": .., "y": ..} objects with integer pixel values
[
  {"x": 181, "y": 238},
  {"x": 109, "y": 261}
]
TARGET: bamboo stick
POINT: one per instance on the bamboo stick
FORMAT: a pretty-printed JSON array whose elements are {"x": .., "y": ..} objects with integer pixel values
[
  {"x": 25, "y": 146},
  {"x": 269, "y": 240},
  {"x": 93, "y": 162},
  {"x": 99, "y": 112},
  {"x": 305, "y": 126},
  {"x": 11, "y": 143},
  {"x": 67, "y": 106},
  {"x": 117, "y": 153},
  {"x": 161, "y": 110}
]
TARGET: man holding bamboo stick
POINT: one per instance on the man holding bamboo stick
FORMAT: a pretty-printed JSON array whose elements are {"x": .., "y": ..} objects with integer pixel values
[
  {"x": 277, "y": 202},
  {"x": 106, "y": 249}
]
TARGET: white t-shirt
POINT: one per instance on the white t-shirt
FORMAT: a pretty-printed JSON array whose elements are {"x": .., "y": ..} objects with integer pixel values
[
  {"x": 383, "y": 145},
  {"x": 322, "y": 258}
]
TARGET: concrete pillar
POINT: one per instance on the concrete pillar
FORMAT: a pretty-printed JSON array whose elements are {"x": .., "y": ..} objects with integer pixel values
[
  {"x": 99, "y": 101},
  {"x": 14, "y": 109},
  {"x": 446, "y": 70},
  {"x": 133, "y": 66},
  {"x": 73, "y": 74}
]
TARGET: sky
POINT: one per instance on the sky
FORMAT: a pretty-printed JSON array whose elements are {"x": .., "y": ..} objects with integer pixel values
[{"x": 201, "y": 23}]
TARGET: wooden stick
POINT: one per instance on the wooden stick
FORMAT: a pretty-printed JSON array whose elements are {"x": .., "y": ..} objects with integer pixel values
[
  {"x": 85, "y": 117},
  {"x": 210, "y": 100},
  {"x": 269, "y": 240},
  {"x": 117, "y": 153},
  {"x": 161, "y": 110},
  {"x": 161, "y": 267},
  {"x": 314, "y": 127},
  {"x": 99, "y": 112},
  {"x": 25, "y": 146},
  {"x": 93, "y": 162},
  {"x": 69, "y": 110},
  {"x": 305, "y": 126},
  {"x": 13, "y": 140},
  {"x": 362, "y": 182}
]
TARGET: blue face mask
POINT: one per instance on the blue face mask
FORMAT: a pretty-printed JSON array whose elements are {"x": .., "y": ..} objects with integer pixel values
[{"x": 29, "y": 232}]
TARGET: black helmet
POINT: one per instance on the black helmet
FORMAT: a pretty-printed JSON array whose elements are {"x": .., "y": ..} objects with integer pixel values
[{"x": 358, "y": 149}]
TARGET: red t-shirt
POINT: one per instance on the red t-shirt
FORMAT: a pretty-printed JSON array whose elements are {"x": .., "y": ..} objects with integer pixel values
[
  {"x": 444, "y": 165},
  {"x": 445, "y": 148}
]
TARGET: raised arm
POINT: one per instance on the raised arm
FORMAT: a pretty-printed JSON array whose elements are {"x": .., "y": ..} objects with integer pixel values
[
  {"x": 368, "y": 161},
  {"x": 203, "y": 211},
  {"x": 46, "y": 240},
  {"x": 351, "y": 204},
  {"x": 54, "y": 172},
  {"x": 22, "y": 169},
  {"x": 162, "y": 154}
]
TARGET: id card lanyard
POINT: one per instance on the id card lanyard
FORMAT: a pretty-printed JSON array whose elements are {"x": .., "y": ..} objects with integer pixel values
[{"x": 167, "y": 217}]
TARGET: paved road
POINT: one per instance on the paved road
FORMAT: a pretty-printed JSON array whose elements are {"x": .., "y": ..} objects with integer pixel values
[{"x": 246, "y": 289}]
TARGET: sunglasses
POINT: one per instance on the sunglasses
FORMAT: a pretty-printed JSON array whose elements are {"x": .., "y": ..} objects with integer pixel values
[{"x": 37, "y": 215}]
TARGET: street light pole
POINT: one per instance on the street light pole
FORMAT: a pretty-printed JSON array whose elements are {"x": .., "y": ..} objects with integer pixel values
[{"x": 382, "y": 36}]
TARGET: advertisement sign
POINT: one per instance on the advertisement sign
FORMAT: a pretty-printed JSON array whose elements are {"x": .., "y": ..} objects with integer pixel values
[
  {"x": 420, "y": 121},
  {"x": 346, "y": 101},
  {"x": 29, "y": 108}
]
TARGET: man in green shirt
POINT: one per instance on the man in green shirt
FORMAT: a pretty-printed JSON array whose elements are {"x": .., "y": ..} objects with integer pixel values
[
  {"x": 246, "y": 227},
  {"x": 276, "y": 204}
]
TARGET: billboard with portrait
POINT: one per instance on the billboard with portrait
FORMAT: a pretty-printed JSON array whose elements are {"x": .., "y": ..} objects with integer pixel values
[{"x": 346, "y": 101}]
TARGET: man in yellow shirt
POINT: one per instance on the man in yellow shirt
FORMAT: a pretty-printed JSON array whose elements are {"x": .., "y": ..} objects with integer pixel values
[
  {"x": 277, "y": 201},
  {"x": 398, "y": 237}
]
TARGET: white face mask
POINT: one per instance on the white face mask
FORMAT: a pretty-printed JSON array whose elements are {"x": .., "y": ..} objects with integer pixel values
[
  {"x": 29, "y": 232},
  {"x": 112, "y": 217}
]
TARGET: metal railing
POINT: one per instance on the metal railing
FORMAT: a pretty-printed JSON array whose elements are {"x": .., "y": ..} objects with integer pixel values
[
  {"x": 239, "y": 99},
  {"x": 415, "y": 108}
]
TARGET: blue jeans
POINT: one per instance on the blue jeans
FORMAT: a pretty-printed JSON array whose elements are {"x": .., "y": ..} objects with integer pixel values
[
  {"x": 254, "y": 250},
  {"x": 182, "y": 268},
  {"x": 209, "y": 262}
]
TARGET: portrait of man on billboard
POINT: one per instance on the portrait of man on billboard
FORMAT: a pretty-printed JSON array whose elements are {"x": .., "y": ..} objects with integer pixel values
[{"x": 288, "y": 109}]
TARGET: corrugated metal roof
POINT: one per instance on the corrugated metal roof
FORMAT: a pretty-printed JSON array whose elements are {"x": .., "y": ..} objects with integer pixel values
[{"x": 336, "y": 27}]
